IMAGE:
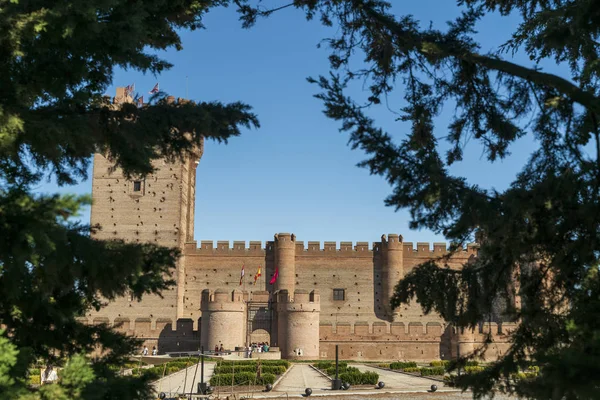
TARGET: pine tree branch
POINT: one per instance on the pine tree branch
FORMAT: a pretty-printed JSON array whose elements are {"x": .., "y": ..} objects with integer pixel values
[{"x": 445, "y": 50}]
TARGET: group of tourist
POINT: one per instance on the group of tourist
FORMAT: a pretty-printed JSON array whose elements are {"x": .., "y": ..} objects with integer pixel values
[{"x": 262, "y": 347}]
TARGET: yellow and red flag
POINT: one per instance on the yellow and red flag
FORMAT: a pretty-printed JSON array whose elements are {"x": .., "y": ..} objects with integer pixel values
[{"x": 257, "y": 275}]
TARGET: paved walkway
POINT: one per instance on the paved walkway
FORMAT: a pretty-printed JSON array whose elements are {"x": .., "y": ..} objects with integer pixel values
[
  {"x": 399, "y": 381},
  {"x": 174, "y": 383},
  {"x": 300, "y": 377}
]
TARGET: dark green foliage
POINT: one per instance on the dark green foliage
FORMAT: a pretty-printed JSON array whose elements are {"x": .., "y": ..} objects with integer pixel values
[
  {"x": 269, "y": 369},
  {"x": 323, "y": 365},
  {"x": 538, "y": 237},
  {"x": 58, "y": 60},
  {"x": 331, "y": 370},
  {"x": 241, "y": 378},
  {"x": 402, "y": 365},
  {"x": 433, "y": 371},
  {"x": 360, "y": 378},
  {"x": 284, "y": 363}
]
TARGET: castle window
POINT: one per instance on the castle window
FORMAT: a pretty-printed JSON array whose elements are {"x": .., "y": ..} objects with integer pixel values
[
  {"x": 339, "y": 294},
  {"x": 137, "y": 186}
]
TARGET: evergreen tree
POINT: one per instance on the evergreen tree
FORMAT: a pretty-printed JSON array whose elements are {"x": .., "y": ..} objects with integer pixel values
[
  {"x": 57, "y": 61},
  {"x": 540, "y": 237}
]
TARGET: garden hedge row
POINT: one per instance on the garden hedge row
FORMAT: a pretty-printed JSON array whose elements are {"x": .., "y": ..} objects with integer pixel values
[
  {"x": 331, "y": 371},
  {"x": 323, "y": 365},
  {"x": 242, "y": 378},
  {"x": 266, "y": 369},
  {"x": 403, "y": 365},
  {"x": 285, "y": 363},
  {"x": 411, "y": 369},
  {"x": 360, "y": 378},
  {"x": 433, "y": 371}
]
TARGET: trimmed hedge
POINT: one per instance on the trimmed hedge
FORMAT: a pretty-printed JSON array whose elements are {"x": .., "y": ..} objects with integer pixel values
[
  {"x": 237, "y": 363},
  {"x": 242, "y": 378},
  {"x": 412, "y": 369},
  {"x": 471, "y": 369},
  {"x": 447, "y": 363},
  {"x": 358, "y": 378},
  {"x": 331, "y": 371},
  {"x": 266, "y": 369},
  {"x": 433, "y": 371},
  {"x": 403, "y": 365},
  {"x": 323, "y": 365},
  {"x": 440, "y": 363}
]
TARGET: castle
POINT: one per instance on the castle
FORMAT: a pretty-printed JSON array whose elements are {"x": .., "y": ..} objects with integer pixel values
[{"x": 323, "y": 295}]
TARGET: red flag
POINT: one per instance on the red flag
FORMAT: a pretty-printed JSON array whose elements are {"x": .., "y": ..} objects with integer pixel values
[
  {"x": 242, "y": 275},
  {"x": 154, "y": 89},
  {"x": 275, "y": 275}
]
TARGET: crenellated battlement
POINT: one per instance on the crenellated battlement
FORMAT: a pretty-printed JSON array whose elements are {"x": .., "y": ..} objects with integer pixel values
[{"x": 324, "y": 249}]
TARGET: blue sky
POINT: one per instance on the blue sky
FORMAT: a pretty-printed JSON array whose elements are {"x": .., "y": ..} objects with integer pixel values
[{"x": 296, "y": 173}]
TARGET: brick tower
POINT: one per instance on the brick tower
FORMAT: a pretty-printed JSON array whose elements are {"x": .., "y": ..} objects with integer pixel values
[{"x": 159, "y": 209}]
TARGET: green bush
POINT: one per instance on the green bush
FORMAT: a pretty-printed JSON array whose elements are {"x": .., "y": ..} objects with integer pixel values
[
  {"x": 470, "y": 369},
  {"x": 433, "y": 371},
  {"x": 412, "y": 369},
  {"x": 285, "y": 363},
  {"x": 269, "y": 369},
  {"x": 472, "y": 363},
  {"x": 403, "y": 365},
  {"x": 323, "y": 365},
  {"x": 383, "y": 365},
  {"x": 331, "y": 371},
  {"x": 228, "y": 369},
  {"x": 35, "y": 379},
  {"x": 242, "y": 378},
  {"x": 440, "y": 363},
  {"x": 360, "y": 378}
]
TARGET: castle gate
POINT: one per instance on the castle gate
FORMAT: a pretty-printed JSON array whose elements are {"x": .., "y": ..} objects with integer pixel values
[{"x": 260, "y": 320}]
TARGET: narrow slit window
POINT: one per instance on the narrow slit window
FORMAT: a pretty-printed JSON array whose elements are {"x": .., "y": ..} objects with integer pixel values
[{"x": 137, "y": 186}]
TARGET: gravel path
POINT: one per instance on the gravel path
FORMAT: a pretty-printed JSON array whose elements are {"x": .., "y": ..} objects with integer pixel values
[
  {"x": 174, "y": 383},
  {"x": 300, "y": 377}
]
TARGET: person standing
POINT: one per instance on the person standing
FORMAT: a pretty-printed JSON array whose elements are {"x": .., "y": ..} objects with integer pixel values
[
  {"x": 145, "y": 351},
  {"x": 154, "y": 351}
]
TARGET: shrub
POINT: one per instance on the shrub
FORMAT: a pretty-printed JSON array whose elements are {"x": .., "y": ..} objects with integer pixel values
[
  {"x": 323, "y": 365},
  {"x": 35, "y": 379},
  {"x": 274, "y": 369},
  {"x": 331, "y": 371},
  {"x": 440, "y": 363},
  {"x": 383, "y": 365},
  {"x": 284, "y": 363},
  {"x": 412, "y": 369},
  {"x": 360, "y": 378},
  {"x": 403, "y": 365},
  {"x": 433, "y": 371},
  {"x": 470, "y": 369},
  {"x": 472, "y": 363},
  {"x": 228, "y": 369},
  {"x": 242, "y": 378}
]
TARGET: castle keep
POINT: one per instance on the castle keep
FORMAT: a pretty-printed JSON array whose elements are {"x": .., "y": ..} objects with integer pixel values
[{"x": 326, "y": 294}]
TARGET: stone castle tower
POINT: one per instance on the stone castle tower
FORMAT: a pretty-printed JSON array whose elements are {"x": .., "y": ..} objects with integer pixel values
[{"x": 159, "y": 209}]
